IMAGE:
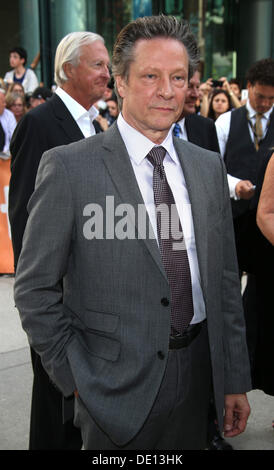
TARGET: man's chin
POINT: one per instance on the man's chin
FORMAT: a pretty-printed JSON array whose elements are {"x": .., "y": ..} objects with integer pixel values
[{"x": 189, "y": 108}]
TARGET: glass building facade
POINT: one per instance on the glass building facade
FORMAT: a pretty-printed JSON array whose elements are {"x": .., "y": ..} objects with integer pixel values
[{"x": 231, "y": 34}]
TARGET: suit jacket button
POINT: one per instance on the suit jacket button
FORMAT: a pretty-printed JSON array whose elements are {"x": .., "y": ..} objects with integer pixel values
[
  {"x": 165, "y": 302},
  {"x": 161, "y": 355}
]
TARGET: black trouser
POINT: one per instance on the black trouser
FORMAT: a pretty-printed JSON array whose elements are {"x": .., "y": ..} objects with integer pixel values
[{"x": 47, "y": 431}]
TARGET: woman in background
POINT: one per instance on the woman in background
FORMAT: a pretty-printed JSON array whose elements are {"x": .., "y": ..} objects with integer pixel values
[
  {"x": 16, "y": 88},
  {"x": 15, "y": 102},
  {"x": 219, "y": 103}
]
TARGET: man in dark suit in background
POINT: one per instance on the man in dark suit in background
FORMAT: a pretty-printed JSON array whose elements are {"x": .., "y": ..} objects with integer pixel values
[
  {"x": 81, "y": 73},
  {"x": 246, "y": 136},
  {"x": 192, "y": 127},
  {"x": 201, "y": 131}
]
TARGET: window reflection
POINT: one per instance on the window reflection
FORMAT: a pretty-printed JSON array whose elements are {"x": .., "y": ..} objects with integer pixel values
[{"x": 213, "y": 22}]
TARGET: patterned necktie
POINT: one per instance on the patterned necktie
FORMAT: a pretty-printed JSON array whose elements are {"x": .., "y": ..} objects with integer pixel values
[
  {"x": 2, "y": 138},
  {"x": 169, "y": 231},
  {"x": 258, "y": 135},
  {"x": 176, "y": 130}
]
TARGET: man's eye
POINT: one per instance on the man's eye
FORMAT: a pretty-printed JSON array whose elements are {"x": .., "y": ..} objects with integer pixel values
[{"x": 179, "y": 80}]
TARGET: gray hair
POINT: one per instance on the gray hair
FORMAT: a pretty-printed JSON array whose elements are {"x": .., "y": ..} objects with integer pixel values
[
  {"x": 150, "y": 27},
  {"x": 69, "y": 50}
]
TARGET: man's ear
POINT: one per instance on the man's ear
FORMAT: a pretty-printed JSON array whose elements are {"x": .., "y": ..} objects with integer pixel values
[
  {"x": 68, "y": 69},
  {"x": 120, "y": 85}
]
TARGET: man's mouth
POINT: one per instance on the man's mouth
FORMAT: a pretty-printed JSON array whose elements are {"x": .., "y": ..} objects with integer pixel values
[{"x": 164, "y": 109}]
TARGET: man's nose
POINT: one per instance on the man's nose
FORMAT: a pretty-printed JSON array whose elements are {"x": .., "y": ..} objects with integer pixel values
[
  {"x": 105, "y": 70},
  {"x": 165, "y": 88},
  {"x": 194, "y": 92}
]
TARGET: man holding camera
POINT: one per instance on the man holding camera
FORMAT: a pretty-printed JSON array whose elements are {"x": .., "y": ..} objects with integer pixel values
[{"x": 210, "y": 84}]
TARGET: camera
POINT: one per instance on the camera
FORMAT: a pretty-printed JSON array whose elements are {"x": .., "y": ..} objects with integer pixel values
[{"x": 217, "y": 83}]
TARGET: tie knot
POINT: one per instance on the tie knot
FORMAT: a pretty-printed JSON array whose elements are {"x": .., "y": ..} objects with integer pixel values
[{"x": 156, "y": 156}]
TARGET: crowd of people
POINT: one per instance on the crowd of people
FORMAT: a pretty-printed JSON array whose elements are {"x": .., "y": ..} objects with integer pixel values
[
  {"x": 99, "y": 340},
  {"x": 19, "y": 92}
]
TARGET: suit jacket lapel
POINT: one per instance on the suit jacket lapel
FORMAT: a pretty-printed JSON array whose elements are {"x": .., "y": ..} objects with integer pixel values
[
  {"x": 118, "y": 164},
  {"x": 65, "y": 119},
  {"x": 191, "y": 168}
]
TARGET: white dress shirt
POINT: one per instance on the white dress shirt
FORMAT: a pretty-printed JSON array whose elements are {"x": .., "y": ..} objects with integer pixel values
[
  {"x": 9, "y": 123},
  {"x": 82, "y": 117},
  {"x": 223, "y": 128},
  {"x": 138, "y": 146}
]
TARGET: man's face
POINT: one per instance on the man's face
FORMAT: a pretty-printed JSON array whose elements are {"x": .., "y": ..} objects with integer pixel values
[
  {"x": 2, "y": 103},
  {"x": 192, "y": 94},
  {"x": 15, "y": 60},
  {"x": 87, "y": 81},
  {"x": 261, "y": 97},
  {"x": 154, "y": 94},
  {"x": 236, "y": 90}
]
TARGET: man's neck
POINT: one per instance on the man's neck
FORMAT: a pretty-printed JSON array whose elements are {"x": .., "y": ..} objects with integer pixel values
[
  {"x": 19, "y": 71},
  {"x": 83, "y": 100},
  {"x": 157, "y": 137},
  {"x": 154, "y": 135}
]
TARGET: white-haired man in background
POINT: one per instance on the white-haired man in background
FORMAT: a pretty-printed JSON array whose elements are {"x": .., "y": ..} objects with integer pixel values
[{"x": 82, "y": 75}]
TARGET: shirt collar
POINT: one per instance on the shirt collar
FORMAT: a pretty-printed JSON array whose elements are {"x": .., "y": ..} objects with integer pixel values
[
  {"x": 181, "y": 123},
  {"x": 76, "y": 109},
  {"x": 138, "y": 146},
  {"x": 252, "y": 112}
]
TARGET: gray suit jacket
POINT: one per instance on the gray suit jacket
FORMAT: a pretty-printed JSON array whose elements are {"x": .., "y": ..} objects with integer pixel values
[{"x": 92, "y": 308}]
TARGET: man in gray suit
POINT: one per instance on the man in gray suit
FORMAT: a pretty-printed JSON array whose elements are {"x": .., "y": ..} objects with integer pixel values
[{"x": 136, "y": 321}]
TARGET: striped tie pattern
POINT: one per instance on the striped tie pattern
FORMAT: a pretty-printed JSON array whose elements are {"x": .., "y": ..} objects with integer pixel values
[
  {"x": 258, "y": 134},
  {"x": 175, "y": 261}
]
